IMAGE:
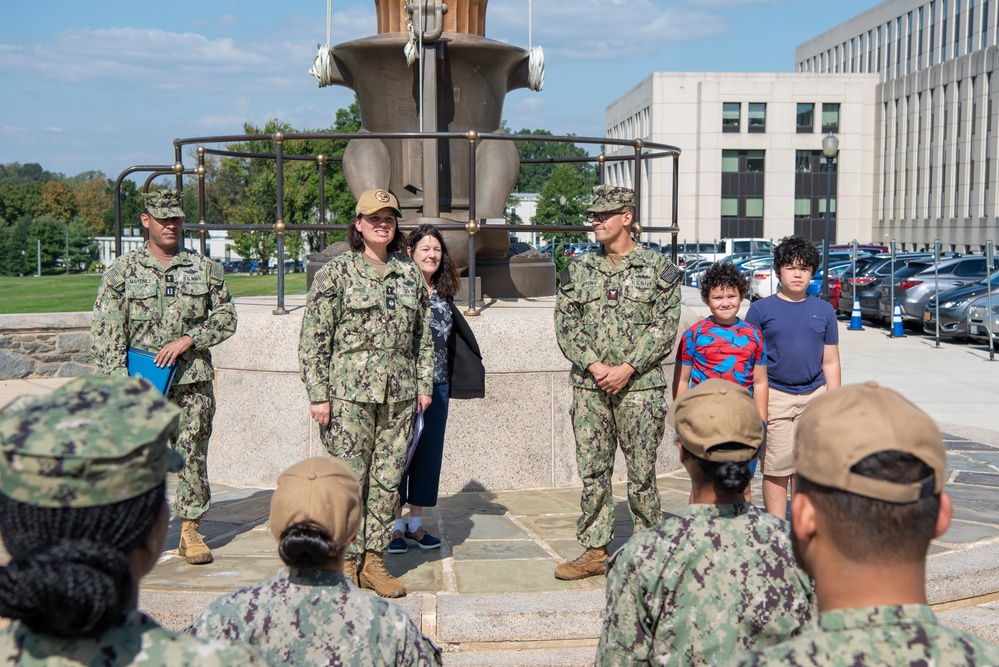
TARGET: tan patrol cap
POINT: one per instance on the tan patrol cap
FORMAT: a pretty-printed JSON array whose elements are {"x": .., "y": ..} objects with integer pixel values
[
  {"x": 717, "y": 412},
  {"x": 846, "y": 425},
  {"x": 375, "y": 200},
  {"x": 321, "y": 491}
]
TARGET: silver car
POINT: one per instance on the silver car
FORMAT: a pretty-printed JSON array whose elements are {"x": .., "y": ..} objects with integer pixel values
[
  {"x": 981, "y": 325},
  {"x": 914, "y": 286}
]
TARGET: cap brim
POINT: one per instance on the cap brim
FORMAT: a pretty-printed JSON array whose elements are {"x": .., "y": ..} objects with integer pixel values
[{"x": 397, "y": 212}]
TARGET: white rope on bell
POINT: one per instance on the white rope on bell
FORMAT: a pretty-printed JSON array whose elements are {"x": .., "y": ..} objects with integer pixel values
[{"x": 322, "y": 66}]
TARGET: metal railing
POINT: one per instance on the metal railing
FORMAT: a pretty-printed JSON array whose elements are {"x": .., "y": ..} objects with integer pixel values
[{"x": 643, "y": 151}]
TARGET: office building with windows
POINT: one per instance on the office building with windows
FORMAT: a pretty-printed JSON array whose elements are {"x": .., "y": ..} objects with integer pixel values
[
  {"x": 751, "y": 162},
  {"x": 935, "y": 118}
]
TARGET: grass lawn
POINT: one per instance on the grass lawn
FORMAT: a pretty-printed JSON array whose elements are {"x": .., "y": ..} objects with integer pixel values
[{"x": 76, "y": 292}]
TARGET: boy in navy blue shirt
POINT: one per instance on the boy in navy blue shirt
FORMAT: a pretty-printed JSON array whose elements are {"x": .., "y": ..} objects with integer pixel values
[{"x": 802, "y": 339}]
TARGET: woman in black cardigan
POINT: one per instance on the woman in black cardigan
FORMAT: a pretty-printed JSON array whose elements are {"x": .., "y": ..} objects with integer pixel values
[{"x": 458, "y": 373}]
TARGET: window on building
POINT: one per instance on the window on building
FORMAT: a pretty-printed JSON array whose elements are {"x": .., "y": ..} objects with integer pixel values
[
  {"x": 803, "y": 162},
  {"x": 888, "y": 52},
  {"x": 870, "y": 51},
  {"x": 836, "y": 66},
  {"x": 730, "y": 116},
  {"x": 730, "y": 207},
  {"x": 933, "y": 11},
  {"x": 971, "y": 25},
  {"x": 957, "y": 28},
  {"x": 802, "y": 207},
  {"x": 822, "y": 205},
  {"x": 943, "y": 32},
  {"x": 754, "y": 207},
  {"x": 898, "y": 47},
  {"x": 757, "y": 117},
  {"x": 985, "y": 23},
  {"x": 919, "y": 44},
  {"x": 830, "y": 118},
  {"x": 878, "y": 65},
  {"x": 908, "y": 43},
  {"x": 806, "y": 113},
  {"x": 730, "y": 162},
  {"x": 755, "y": 162}
]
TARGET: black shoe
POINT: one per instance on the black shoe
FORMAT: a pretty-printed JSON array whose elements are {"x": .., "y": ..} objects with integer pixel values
[
  {"x": 398, "y": 544},
  {"x": 423, "y": 539}
]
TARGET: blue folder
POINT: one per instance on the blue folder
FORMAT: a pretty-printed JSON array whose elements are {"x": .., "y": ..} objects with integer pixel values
[{"x": 141, "y": 364}]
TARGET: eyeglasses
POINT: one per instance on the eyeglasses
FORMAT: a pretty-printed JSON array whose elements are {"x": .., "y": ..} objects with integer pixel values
[{"x": 603, "y": 217}]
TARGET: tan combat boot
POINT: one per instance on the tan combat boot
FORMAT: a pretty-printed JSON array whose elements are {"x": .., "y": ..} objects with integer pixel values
[
  {"x": 376, "y": 578},
  {"x": 591, "y": 563},
  {"x": 350, "y": 569},
  {"x": 192, "y": 546}
]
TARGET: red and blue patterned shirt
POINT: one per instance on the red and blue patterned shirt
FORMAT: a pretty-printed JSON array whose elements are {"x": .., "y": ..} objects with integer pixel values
[{"x": 731, "y": 352}]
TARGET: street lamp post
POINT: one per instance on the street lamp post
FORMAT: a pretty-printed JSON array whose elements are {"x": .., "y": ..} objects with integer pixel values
[
  {"x": 562, "y": 201},
  {"x": 830, "y": 147}
]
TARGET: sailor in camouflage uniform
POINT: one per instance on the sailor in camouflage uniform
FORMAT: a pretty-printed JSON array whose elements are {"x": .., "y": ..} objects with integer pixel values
[
  {"x": 310, "y": 613},
  {"x": 83, "y": 514},
  {"x": 868, "y": 499},
  {"x": 169, "y": 300},
  {"x": 366, "y": 357},
  {"x": 616, "y": 316},
  {"x": 721, "y": 578}
]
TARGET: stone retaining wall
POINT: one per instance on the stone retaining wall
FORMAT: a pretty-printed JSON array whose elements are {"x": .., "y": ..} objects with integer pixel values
[{"x": 45, "y": 345}]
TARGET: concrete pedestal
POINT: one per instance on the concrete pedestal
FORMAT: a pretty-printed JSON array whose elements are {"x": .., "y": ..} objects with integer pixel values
[{"x": 518, "y": 437}]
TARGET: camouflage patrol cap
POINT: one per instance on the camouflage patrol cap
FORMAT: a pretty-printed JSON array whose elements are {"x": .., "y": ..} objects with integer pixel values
[
  {"x": 94, "y": 441},
  {"x": 322, "y": 491},
  {"x": 163, "y": 204},
  {"x": 375, "y": 200},
  {"x": 844, "y": 426},
  {"x": 608, "y": 198},
  {"x": 714, "y": 415}
]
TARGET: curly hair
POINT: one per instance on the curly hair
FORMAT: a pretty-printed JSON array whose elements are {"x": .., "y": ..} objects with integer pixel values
[
  {"x": 445, "y": 280},
  {"x": 793, "y": 250},
  {"x": 723, "y": 274},
  {"x": 69, "y": 573}
]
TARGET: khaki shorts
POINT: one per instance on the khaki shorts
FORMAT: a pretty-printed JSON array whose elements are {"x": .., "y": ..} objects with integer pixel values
[{"x": 783, "y": 411}]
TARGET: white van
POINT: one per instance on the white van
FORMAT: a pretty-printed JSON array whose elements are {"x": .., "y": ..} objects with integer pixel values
[{"x": 729, "y": 246}]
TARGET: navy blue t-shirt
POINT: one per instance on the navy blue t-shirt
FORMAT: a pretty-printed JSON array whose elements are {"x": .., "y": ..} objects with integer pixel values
[{"x": 796, "y": 333}]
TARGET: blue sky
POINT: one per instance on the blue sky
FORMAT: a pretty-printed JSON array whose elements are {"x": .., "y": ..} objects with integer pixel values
[{"x": 106, "y": 84}]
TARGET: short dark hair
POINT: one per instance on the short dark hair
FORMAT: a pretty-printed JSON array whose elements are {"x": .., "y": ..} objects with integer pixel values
[
  {"x": 793, "y": 250},
  {"x": 356, "y": 239},
  {"x": 723, "y": 274},
  {"x": 873, "y": 531},
  {"x": 727, "y": 477},
  {"x": 446, "y": 278}
]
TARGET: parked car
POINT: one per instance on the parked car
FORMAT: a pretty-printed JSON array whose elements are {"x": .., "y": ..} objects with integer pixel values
[
  {"x": 981, "y": 324},
  {"x": 693, "y": 277},
  {"x": 913, "y": 287},
  {"x": 835, "y": 289},
  {"x": 866, "y": 284},
  {"x": 954, "y": 306},
  {"x": 577, "y": 250}
]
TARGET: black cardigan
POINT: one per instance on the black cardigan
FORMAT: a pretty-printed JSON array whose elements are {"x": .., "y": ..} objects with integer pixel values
[{"x": 466, "y": 374}]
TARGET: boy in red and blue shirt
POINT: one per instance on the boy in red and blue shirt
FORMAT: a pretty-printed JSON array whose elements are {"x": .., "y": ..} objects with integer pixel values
[{"x": 723, "y": 345}]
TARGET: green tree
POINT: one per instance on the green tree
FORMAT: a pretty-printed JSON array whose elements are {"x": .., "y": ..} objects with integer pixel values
[
  {"x": 534, "y": 175},
  {"x": 131, "y": 205},
  {"x": 564, "y": 181},
  {"x": 82, "y": 245},
  {"x": 52, "y": 233},
  {"x": 15, "y": 238}
]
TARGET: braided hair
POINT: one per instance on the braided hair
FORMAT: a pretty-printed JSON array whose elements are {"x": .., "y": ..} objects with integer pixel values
[{"x": 69, "y": 573}]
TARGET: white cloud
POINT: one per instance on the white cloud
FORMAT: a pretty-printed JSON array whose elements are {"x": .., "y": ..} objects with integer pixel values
[
  {"x": 54, "y": 129},
  {"x": 11, "y": 130},
  {"x": 604, "y": 29}
]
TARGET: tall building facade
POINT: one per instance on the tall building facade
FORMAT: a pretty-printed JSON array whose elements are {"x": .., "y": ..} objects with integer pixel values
[
  {"x": 751, "y": 162},
  {"x": 935, "y": 124}
]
